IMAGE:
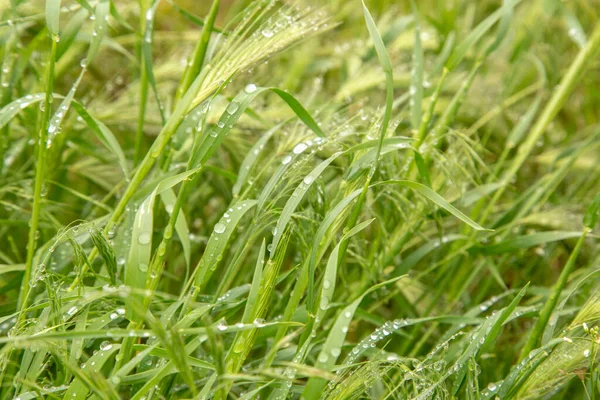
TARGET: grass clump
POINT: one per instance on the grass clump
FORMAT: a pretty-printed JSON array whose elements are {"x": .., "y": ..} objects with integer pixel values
[{"x": 264, "y": 199}]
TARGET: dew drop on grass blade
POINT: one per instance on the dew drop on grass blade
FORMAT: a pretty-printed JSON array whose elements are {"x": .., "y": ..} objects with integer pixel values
[
  {"x": 218, "y": 241},
  {"x": 169, "y": 198},
  {"x": 9, "y": 111},
  {"x": 99, "y": 30}
]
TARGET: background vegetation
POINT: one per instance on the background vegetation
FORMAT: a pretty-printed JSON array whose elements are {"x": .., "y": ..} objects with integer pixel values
[{"x": 244, "y": 199}]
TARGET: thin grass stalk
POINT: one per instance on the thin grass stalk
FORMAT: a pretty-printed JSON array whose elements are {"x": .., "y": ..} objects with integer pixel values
[
  {"x": 39, "y": 182},
  {"x": 196, "y": 59},
  {"x": 139, "y": 134}
]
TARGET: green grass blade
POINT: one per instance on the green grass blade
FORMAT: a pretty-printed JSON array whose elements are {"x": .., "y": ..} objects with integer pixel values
[
  {"x": 218, "y": 240},
  {"x": 104, "y": 134},
  {"x": 438, "y": 200},
  {"x": 476, "y": 34},
  {"x": 52, "y": 16},
  {"x": 138, "y": 258},
  {"x": 9, "y": 111},
  {"x": 99, "y": 31},
  {"x": 256, "y": 280},
  {"x": 181, "y": 227},
  {"x": 528, "y": 241}
]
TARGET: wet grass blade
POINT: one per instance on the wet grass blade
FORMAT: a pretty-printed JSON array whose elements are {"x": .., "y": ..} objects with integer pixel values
[
  {"x": 99, "y": 31},
  {"x": 141, "y": 236},
  {"x": 53, "y": 16}
]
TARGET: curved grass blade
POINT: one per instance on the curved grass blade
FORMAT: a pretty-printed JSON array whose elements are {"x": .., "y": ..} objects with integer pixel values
[
  {"x": 70, "y": 31},
  {"x": 101, "y": 16},
  {"x": 437, "y": 199},
  {"x": 104, "y": 134},
  {"x": 59, "y": 115},
  {"x": 527, "y": 241},
  {"x": 9, "y": 111},
  {"x": 91, "y": 370},
  {"x": 234, "y": 111}
]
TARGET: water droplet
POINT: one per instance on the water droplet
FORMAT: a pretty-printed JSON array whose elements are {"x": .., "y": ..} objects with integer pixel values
[
  {"x": 267, "y": 33},
  {"x": 250, "y": 88},
  {"x": 144, "y": 238},
  {"x": 232, "y": 107},
  {"x": 143, "y": 267},
  {"x": 299, "y": 148},
  {"x": 492, "y": 387},
  {"x": 104, "y": 346},
  {"x": 286, "y": 160},
  {"x": 326, "y": 284},
  {"x": 308, "y": 180},
  {"x": 572, "y": 32},
  {"x": 220, "y": 228}
]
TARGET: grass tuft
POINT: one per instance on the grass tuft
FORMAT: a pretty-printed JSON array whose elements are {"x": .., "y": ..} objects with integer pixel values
[{"x": 269, "y": 199}]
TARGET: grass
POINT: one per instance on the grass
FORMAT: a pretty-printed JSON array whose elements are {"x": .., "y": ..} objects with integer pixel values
[{"x": 263, "y": 199}]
